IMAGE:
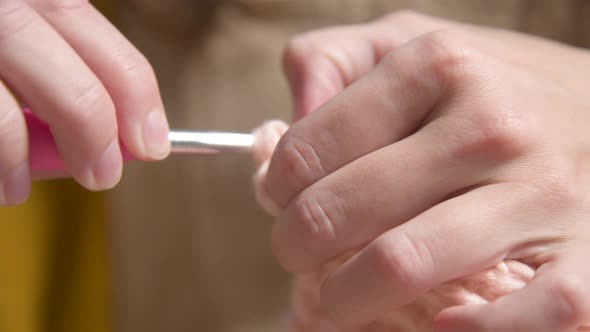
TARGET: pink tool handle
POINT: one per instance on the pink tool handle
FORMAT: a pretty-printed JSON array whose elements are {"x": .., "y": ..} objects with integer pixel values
[{"x": 43, "y": 155}]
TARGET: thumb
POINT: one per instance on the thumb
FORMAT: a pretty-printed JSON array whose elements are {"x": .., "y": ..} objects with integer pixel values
[{"x": 320, "y": 64}]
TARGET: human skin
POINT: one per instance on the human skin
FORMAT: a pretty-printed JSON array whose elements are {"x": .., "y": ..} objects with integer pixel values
[
  {"x": 79, "y": 75},
  {"x": 436, "y": 150},
  {"x": 305, "y": 313}
]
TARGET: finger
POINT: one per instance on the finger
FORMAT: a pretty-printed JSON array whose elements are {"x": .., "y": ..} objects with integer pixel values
[
  {"x": 322, "y": 63},
  {"x": 556, "y": 300},
  {"x": 124, "y": 71},
  {"x": 63, "y": 92},
  {"x": 404, "y": 263},
  {"x": 318, "y": 68},
  {"x": 15, "y": 180},
  {"x": 383, "y": 107},
  {"x": 44, "y": 158},
  {"x": 373, "y": 194}
]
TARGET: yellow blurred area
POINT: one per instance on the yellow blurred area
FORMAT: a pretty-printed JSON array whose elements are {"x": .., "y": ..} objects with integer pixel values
[
  {"x": 53, "y": 274},
  {"x": 52, "y": 262}
]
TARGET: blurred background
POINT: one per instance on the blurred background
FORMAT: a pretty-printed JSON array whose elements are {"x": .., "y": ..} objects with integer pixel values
[{"x": 180, "y": 245}]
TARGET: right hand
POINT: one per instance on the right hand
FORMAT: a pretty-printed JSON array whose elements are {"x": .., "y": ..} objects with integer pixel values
[{"x": 82, "y": 77}]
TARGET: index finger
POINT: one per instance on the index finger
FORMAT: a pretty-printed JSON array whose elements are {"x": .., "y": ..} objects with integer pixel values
[{"x": 122, "y": 69}]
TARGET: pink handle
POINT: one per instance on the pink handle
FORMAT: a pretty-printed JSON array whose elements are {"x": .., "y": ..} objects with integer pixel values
[{"x": 43, "y": 155}]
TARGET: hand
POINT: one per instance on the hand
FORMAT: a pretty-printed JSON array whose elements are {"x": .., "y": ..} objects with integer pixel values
[
  {"x": 78, "y": 74},
  {"x": 442, "y": 150}
]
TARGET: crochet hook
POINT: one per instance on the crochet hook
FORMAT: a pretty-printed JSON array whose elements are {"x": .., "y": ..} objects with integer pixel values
[{"x": 44, "y": 157}]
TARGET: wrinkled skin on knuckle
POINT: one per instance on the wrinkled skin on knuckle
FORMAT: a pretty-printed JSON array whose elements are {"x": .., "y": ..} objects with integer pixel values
[
  {"x": 14, "y": 16},
  {"x": 90, "y": 101},
  {"x": 311, "y": 228},
  {"x": 91, "y": 114},
  {"x": 300, "y": 161},
  {"x": 316, "y": 218},
  {"x": 134, "y": 66}
]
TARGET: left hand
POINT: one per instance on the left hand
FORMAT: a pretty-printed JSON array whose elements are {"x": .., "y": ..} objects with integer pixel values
[{"x": 438, "y": 155}]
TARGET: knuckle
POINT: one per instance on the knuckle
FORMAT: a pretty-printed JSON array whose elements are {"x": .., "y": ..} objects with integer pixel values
[
  {"x": 134, "y": 66},
  {"x": 14, "y": 16},
  {"x": 317, "y": 217},
  {"x": 496, "y": 130},
  {"x": 394, "y": 65},
  {"x": 90, "y": 100},
  {"x": 448, "y": 57},
  {"x": 571, "y": 306},
  {"x": 301, "y": 161},
  {"x": 402, "y": 263}
]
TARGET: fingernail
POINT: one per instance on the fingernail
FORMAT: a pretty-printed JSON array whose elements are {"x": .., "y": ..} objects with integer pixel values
[
  {"x": 107, "y": 170},
  {"x": 17, "y": 186},
  {"x": 155, "y": 135}
]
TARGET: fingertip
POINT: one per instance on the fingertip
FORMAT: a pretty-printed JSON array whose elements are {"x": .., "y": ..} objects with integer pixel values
[
  {"x": 106, "y": 171},
  {"x": 313, "y": 77},
  {"x": 16, "y": 188},
  {"x": 155, "y": 132}
]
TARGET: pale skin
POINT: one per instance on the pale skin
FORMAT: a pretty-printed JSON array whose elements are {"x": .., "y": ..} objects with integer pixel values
[
  {"x": 438, "y": 150},
  {"x": 78, "y": 74}
]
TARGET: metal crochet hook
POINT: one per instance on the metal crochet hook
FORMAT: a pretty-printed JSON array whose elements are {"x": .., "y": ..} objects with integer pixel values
[
  {"x": 44, "y": 156},
  {"x": 204, "y": 142}
]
